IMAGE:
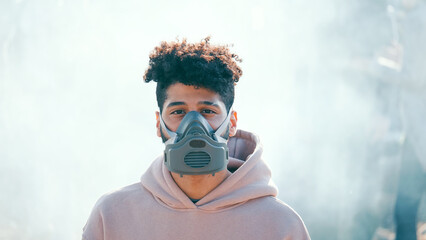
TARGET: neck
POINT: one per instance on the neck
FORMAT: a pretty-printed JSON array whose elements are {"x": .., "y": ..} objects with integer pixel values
[{"x": 198, "y": 186}]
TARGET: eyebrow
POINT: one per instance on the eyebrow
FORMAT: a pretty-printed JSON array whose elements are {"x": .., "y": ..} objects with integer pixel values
[
  {"x": 209, "y": 103},
  {"x": 175, "y": 104},
  {"x": 200, "y": 103}
]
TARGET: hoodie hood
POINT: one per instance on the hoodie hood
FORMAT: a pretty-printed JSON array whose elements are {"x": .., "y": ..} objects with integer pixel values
[{"x": 250, "y": 179}]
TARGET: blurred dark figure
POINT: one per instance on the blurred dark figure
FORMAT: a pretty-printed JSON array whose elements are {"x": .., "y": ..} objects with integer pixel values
[
  {"x": 411, "y": 25},
  {"x": 410, "y": 190},
  {"x": 399, "y": 73}
]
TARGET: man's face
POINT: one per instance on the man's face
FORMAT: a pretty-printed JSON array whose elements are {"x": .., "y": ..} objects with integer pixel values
[{"x": 182, "y": 99}]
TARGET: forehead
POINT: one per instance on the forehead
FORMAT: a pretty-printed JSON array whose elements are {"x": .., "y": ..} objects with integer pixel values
[{"x": 179, "y": 92}]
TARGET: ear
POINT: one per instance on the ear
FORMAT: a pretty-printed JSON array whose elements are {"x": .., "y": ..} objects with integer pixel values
[
  {"x": 233, "y": 124},
  {"x": 157, "y": 125}
]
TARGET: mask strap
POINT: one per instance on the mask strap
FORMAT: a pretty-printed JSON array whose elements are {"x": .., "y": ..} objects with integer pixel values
[
  {"x": 222, "y": 128},
  {"x": 171, "y": 134}
]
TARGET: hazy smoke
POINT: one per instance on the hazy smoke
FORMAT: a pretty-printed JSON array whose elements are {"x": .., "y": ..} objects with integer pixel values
[{"x": 322, "y": 86}]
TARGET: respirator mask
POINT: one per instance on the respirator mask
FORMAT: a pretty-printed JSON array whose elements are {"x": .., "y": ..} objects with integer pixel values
[{"x": 195, "y": 148}]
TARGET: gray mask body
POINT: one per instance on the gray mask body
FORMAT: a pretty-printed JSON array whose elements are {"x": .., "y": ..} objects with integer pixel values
[{"x": 195, "y": 148}]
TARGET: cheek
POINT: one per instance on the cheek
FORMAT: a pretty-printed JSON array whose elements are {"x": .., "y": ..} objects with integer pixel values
[
  {"x": 174, "y": 128},
  {"x": 172, "y": 124},
  {"x": 215, "y": 123}
]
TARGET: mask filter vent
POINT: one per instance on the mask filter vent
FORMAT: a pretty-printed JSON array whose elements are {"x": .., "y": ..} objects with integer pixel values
[{"x": 197, "y": 159}]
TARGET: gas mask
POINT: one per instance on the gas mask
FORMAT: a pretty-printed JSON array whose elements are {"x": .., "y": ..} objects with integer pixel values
[{"x": 195, "y": 148}]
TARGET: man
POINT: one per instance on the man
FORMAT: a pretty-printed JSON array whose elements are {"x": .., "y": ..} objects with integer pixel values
[
  {"x": 412, "y": 86},
  {"x": 203, "y": 186}
]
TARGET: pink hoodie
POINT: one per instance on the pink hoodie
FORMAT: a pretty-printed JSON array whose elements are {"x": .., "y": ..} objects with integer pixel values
[{"x": 244, "y": 206}]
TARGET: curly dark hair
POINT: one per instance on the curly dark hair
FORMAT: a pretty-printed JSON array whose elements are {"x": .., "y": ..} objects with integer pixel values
[{"x": 195, "y": 64}]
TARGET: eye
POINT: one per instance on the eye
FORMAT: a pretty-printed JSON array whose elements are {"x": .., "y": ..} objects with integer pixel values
[
  {"x": 208, "y": 111},
  {"x": 178, "y": 112}
]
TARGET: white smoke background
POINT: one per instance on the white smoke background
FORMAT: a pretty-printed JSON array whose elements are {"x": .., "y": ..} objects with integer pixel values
[{"x": 320, "y": 87}]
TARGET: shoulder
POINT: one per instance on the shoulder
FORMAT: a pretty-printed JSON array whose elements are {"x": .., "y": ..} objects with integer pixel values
[
  {"x": 124, "y": 196},
  {"x": 112, "y": 207},
  {"x": 278, "y": 208},
  {"x": 279, "y": 216}
]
